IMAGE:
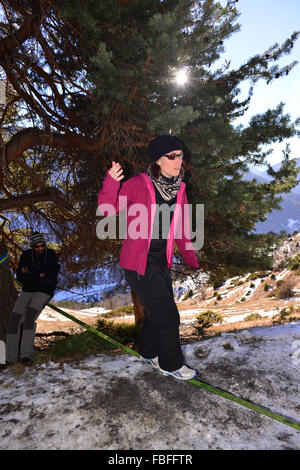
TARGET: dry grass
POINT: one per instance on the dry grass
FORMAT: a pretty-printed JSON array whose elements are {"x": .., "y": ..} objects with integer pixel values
[{"x": 284, "y": 289}]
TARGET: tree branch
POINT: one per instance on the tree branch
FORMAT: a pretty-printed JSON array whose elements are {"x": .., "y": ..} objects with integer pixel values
[
  {"x": 31, "y": 137},
  {"x": 50, "y": 194},
  {"x": 28, "y": 28}
]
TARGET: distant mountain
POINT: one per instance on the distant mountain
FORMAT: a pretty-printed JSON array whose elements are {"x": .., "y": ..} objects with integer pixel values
[
  {"x": 288, "y": 218},
  {"x": 249, "y": 176}
]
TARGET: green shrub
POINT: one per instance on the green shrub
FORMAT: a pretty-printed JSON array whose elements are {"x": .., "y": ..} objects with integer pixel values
[
  {"x": 257, "y": 274},
  {"x": 284, "y": 312},
  {"x": 284, "y": 316},
  {"x": 295, "y": 262},
  {"x": 253, "y": 316},
  {"x": 284, "y": 263},
  {"x": 266, "y": 287},
  {"x": 219, "y": 297},
  {"x": 120, "y": 312},
  {"x": 262, "y": 274},
  {"x": 243, "y": 299},
  {"x": 122, "y": 332},
  {"x": 188, "y": 294},
  {"x": 218, "y": 283},
  {"x": 205, "y": 320}
]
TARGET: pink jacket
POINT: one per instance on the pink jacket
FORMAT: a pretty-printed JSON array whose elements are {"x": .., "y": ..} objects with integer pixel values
[{"x": 140, "y": 190}]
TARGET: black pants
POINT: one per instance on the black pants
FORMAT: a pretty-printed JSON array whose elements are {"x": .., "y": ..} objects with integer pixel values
[{"x": 160, "y": 332}]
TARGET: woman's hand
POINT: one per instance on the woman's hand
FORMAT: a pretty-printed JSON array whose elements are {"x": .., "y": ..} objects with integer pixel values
[{"x": 116, "y": 171}]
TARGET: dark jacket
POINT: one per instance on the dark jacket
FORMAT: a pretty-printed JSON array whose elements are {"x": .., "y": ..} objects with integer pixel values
[{"x": 37, "y": 264}]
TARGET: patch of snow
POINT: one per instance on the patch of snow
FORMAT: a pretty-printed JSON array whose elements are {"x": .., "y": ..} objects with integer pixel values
[
  {"x": 193, "y": 312},
  {"x": 282, "y": 274},
  {"x": 292, "y": 328},
  {"x": 121, "y": 403},
  {"x": 236, "y": 318},
  {"x": 229, "y": 281},
  {"x": 95, "y": 310},
  {"x": 256, "y": 282},
  {"x": 52, "y": 316},
  {"x": 183, "y": 286},
  {"x": 235, "y": 290}
]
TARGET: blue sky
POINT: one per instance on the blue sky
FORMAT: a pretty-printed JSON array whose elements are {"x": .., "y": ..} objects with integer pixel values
[{"x": 263, "y": 23}]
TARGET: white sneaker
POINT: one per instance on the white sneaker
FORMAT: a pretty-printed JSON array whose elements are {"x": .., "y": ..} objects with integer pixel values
[
  {"x": 153, "y": 362},
  {"x": 184, "y": 373}
]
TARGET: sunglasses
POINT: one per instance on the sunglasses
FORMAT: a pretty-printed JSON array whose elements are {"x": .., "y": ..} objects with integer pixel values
[{"x": 173, "y": 156}]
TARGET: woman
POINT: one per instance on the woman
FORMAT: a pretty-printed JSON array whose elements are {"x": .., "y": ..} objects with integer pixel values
[{"x": 147, "y": 260}]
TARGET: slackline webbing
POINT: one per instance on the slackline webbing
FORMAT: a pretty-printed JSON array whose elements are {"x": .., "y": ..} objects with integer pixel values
[{"x": 198, "y": 383}]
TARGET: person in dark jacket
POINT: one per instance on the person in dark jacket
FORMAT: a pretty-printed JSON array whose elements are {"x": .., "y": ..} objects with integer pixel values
[{"x": 37, "y": 271}]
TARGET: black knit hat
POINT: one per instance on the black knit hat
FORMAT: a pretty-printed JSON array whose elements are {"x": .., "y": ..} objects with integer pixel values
[
  {"x": 36, "y": 237},
  {"x": 163, "y": 144}
]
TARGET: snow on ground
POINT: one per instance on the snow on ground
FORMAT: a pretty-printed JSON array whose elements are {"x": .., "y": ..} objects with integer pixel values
[
  {"x": 227, "y": 318},
  {"x": 181, "y": 287},
  {"x": 249, "y": 291},
  {"x": 95, "y": 310},
  {"x": 121, "y": 403},
  {"x": 241, "y": 317},
  {"x": 51, "y": 315},
  {"x": 282, "y": 274}
]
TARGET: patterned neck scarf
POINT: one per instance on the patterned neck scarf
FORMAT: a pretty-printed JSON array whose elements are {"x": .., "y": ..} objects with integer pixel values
[{"x": 167, "y": 187}]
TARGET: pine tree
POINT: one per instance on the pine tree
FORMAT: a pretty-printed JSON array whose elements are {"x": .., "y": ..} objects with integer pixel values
[
  {"x": 102, "y": 77},
  {"x": 139, "y": 53}
]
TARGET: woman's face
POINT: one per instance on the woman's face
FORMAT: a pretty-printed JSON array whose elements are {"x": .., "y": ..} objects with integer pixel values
[{"x": 170, "y": 168}]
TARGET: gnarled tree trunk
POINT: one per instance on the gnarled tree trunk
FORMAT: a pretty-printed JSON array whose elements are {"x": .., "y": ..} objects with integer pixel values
[
  {"x": 8, "y": 297},
  {"x": 139, "y": 310}
]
